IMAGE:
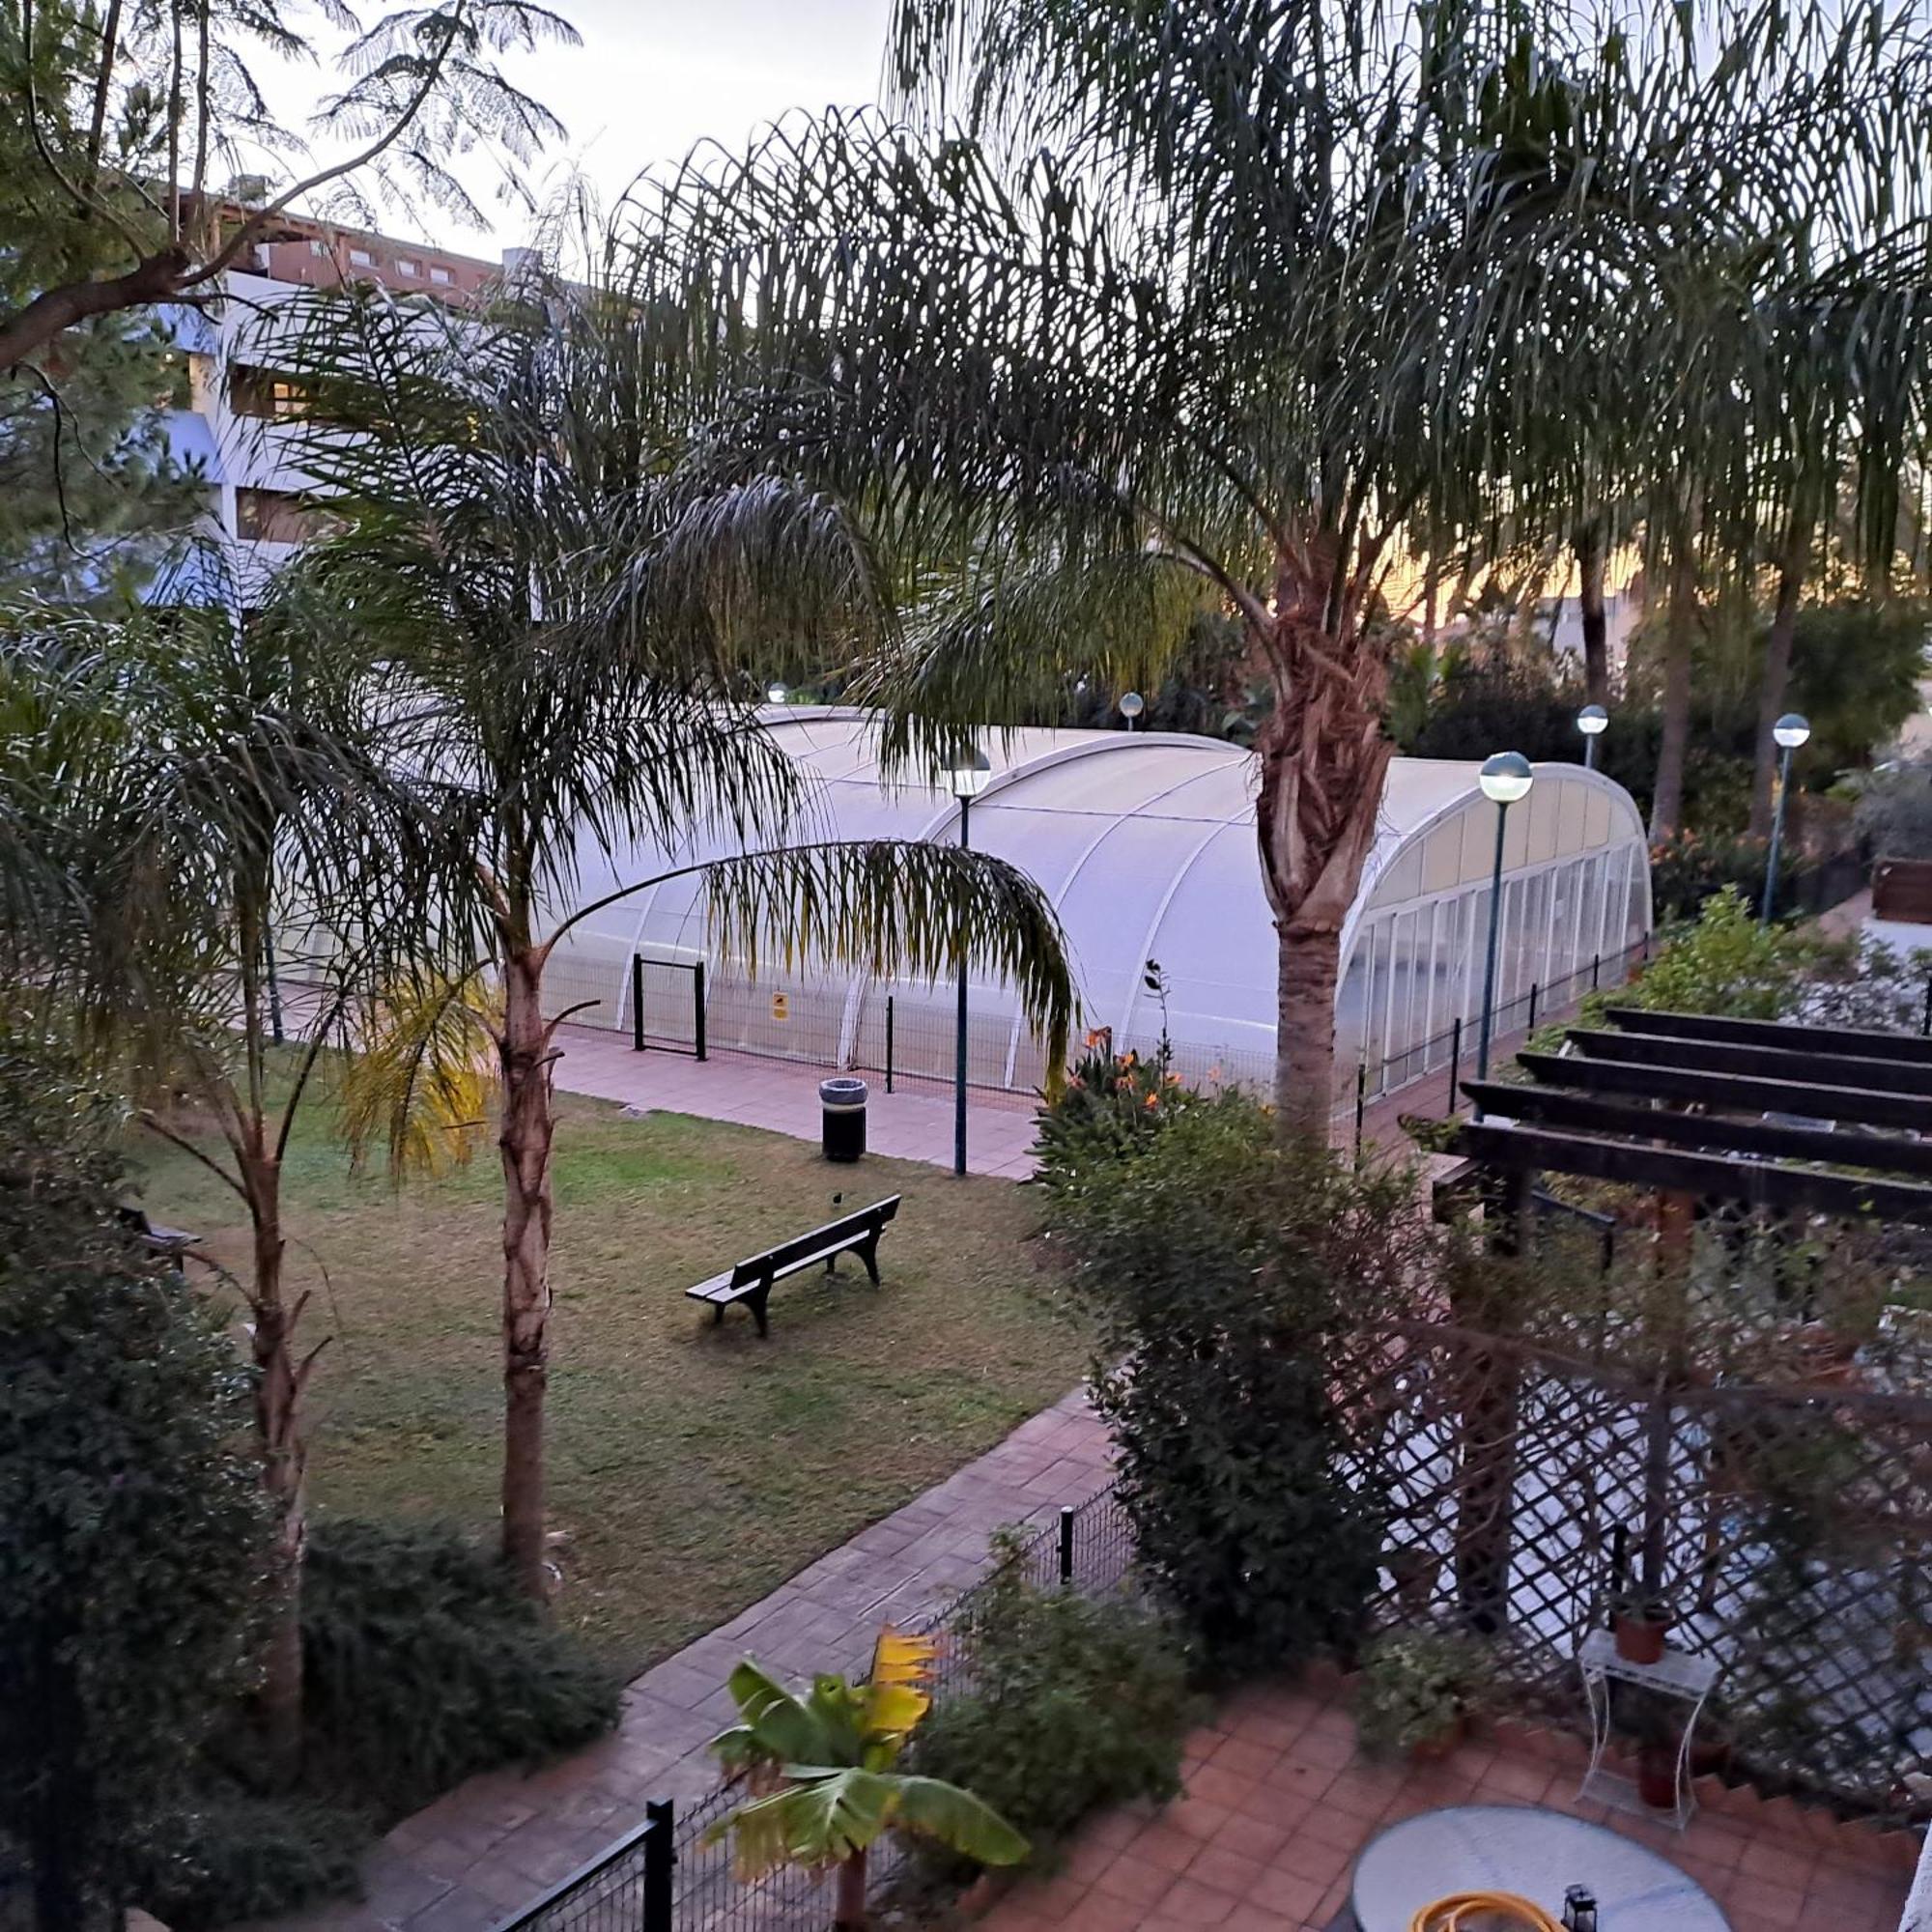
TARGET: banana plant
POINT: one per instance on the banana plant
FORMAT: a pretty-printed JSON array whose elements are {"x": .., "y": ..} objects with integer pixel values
[{"x": 820, "y": 1769}]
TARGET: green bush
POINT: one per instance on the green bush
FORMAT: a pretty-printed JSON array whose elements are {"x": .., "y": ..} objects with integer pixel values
[
  {"x": 1226, "y": 1271},
  {"x": 231, "y": 1854},
  {"x": 1689, "y": 870},
  {"x": 1076, "y": 1703},
  {"x": 424, "y": 1664}
]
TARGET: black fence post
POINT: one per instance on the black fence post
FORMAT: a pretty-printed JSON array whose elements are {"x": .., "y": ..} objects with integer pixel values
[
  {"x": 1926, "y": 1025},
  {"x": 660, "y": 1861},
  {"x": 1361, "y": 1101},
  {"x": 1065, "y": 1548},
  {"x": 637, "y": 1003},
  {"x": 1455, "y": 1059},
  {"x": 1595, "y": 966},
  {"x": 1532, "y": 1007},
  {"x": 698, "y": 1008},
  {"x": 889, "y": 1043}
]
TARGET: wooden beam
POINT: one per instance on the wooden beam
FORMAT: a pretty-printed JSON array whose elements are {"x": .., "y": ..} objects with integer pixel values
[
  {"x": 1551, "y": 1106},
  {"x": 1729, "y": 1092},
  {"x": 1816, "y": 1069},
  {"x": 1754, "y": 1183},
  {"x": 1795, "y": 1036}
]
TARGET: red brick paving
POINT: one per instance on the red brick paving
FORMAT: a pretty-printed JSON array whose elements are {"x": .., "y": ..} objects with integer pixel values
[{"x": 1279, "y": 1801}]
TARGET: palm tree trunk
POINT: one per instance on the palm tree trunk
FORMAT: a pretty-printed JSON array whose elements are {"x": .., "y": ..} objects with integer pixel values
[
  {"x": 1323, "y": 765},
  {"x": 284, "y": 1459},
  {"x": 1666, "y": 804},
  {"x": 850, "y": 1909},
  {"x": 1591, "y": 564},
  {"x": 529, "y": 1125},
  {"x": 1773, "y": 682}
]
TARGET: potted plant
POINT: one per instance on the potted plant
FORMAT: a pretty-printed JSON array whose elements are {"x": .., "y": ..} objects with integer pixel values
[
  {"x": 1653, "y": 1727},
  {"x": 1638, "y": 1623},
  {"x": 820, "y": 1767},
  {"x": 1417, "y": 1692}
]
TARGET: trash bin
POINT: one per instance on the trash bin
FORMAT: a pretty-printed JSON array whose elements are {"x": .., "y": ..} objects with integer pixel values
[{"x": 842, "y": 1133}]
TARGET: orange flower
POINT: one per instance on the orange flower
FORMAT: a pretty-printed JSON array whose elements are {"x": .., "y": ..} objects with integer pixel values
[
  {"x": 1094, "y": 1035},
  {"x": 1173, "y": 1080},
  {"x": 1153, "y": 1099}
]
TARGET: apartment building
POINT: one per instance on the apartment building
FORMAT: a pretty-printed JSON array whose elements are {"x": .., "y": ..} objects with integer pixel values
[{"x": 231, "y": 403}]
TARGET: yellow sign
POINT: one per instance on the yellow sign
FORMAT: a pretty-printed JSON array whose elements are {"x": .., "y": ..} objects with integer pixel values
[{"x": 780, "y": 1006}]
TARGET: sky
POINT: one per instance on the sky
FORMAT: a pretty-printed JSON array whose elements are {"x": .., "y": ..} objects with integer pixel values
[{"x": 652, "y": 77}]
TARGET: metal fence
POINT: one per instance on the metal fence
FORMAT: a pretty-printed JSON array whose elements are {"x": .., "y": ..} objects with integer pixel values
[
  {"x": 1452, "y": 1052},
  {"x": 674, "y": 1873}
]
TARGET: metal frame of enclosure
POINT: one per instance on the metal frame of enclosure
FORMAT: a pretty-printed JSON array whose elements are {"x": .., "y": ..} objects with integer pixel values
[{"x": 1144, "y": 844}]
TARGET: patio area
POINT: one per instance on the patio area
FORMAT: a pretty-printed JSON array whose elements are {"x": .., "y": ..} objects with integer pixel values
[{"x": 1280, "y": 1802}]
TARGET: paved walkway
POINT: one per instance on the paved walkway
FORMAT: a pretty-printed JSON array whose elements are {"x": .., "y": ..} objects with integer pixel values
[
  {"x": 1279, "y": 1803},
  {"x": 913, "y": 1124},
  {"x": 496, "y": 1844}
]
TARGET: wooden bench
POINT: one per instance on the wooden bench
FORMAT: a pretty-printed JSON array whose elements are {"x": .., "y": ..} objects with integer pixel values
[{"x": 751, "y": 1280}]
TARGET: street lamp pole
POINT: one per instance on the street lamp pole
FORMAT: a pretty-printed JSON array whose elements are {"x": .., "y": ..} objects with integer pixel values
[
  {"x": 1132, "y": 704},
  {"x": 1790, "y": 731},
  {"x": 968, "y": 779},
  {"x": 1505, "y": 778}
]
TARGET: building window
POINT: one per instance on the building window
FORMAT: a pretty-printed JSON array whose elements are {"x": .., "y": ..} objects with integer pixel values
[
  {"x": 437, "y": 275},
  {"x": 264, "y": 394},
  {"x": 405, "y": 267},
  {"x": 276, "y": 516},
  {"x": 360, "y": 257}
]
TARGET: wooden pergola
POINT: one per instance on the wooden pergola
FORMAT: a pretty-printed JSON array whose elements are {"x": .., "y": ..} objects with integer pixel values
[{"x": 1766, "y": 1114}]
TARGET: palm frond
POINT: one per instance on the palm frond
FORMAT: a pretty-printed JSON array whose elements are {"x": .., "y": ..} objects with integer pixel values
[
  {"x": 897, "y": 909},
  {"x": 421, "y": 1075}
]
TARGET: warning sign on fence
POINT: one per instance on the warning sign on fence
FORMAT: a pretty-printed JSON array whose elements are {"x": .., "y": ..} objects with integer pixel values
[{"x": 780, "y": 1006}]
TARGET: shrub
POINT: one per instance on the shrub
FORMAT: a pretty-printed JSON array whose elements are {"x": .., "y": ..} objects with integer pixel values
[
  {"x": 133, "y": 1545},
  {"x": 1226, "y": 1271},
  {"x": 1416, "y": 1687},
  {"x": 1076, "y": 1703},
  {"x": 1690, "y": 868},
  {"x": 424, "y": 1663},
  {"x": 1893, "y": 814},
  {"x": 230, "y": 1854}
]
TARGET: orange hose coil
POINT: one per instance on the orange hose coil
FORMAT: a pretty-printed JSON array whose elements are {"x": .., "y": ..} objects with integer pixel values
[{"x": 1459, "y": 1911}]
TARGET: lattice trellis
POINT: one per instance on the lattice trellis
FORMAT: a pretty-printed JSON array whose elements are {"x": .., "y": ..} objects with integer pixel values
[{"x": 1788, "y": 1525}]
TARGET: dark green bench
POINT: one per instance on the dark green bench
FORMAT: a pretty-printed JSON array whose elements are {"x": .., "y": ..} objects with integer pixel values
[{"x": 752, "y": 1279}]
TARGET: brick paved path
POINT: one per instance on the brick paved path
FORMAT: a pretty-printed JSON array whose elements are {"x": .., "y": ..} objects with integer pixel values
[{"x": 496, "y": 1844}]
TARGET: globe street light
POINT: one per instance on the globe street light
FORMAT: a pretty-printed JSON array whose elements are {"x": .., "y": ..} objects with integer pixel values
[
  {"x": 1593, "y": 720},
  {"x": 1790, "y": 731},
  {"x": 775, "y": 693},
  {"x": 1132, "y": 704},
  {"x": 966, "y": 780},
  {"x": 1504, "y": 778}
]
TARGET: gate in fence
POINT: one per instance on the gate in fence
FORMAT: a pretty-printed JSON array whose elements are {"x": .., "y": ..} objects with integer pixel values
[{"x": 667, "y": 1000}]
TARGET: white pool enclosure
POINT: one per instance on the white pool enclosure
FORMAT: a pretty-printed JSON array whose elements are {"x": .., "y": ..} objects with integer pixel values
[{"x": 1144, "y": 844}]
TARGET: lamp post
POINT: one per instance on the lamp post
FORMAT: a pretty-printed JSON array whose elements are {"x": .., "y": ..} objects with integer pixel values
[
  {"x": 1132, "y": 704},
  {"x": 967, "y": 779},
  {"x": 1504, "y": 778},
  {"x": 1593, "y": 720},
  {"x": 775, "y": 693},
  {"x": 1790, "y": 731}
]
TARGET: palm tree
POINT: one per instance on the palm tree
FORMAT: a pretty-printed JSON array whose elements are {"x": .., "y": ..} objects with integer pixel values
[
  {"x": 1229, "y": 303},
  {"x": 179, "y": 775},
  {"x": 821, "y": 1768},
  {"x": 568, "y": 592}
]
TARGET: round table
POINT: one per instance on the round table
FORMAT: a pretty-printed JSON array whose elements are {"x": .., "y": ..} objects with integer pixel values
[{"x": 1534, "y": 1852}]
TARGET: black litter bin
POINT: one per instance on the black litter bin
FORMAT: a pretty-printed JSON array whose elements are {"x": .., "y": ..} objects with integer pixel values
[{"x": 843, "y": 1131}]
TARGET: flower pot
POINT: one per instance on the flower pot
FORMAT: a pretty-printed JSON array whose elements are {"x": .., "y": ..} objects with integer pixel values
[
  {"x": 1639, "y": 1635},
  {"x": 1657, "y": 1777},
  {"x": 1433, "y": 1751}
]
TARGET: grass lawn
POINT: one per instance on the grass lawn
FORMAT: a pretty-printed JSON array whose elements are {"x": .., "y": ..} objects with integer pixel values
[{"x": 692, "y": 1467}]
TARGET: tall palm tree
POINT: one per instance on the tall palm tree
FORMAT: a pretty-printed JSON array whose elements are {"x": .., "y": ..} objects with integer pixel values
[
  {"x": 178, "y": 775},
  {"x": 568, "y": 592},
  {"x": 1234, "y": 296}
]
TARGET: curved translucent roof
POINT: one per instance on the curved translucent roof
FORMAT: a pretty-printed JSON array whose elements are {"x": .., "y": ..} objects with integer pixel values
[{"x": 1144, "y": 842}]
